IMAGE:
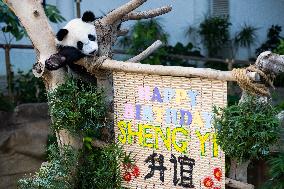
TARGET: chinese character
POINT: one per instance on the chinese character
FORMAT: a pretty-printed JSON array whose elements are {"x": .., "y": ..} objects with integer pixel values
[
  {"x": 186, "y": 169},
  {"x": 153, "y": 159}
]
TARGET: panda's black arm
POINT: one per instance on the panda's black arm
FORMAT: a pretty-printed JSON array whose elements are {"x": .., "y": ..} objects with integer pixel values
[
  {"x": 65, "y": 55},
  {"x": 71, "y": 54}
]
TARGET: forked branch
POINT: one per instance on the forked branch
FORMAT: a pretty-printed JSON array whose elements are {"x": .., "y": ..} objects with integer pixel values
[
  {"x": 147, "y": 14},
  {"x": 138, "y": 58},
  {"x": 121, "y": 11},
  {"x": 122, "y": 32}
]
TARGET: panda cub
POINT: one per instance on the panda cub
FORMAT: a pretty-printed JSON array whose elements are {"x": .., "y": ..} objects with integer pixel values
[{"x": 76, "y": 40}]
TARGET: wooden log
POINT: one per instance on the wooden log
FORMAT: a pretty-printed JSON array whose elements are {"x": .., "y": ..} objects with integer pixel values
[{"x": 177, "y": 71}]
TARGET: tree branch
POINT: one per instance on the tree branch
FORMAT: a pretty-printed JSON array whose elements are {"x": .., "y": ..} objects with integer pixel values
[
  {"x": 113, "y": 65},
  {"x": 122, "y": 32},
  {"x": 138, "y": 58},
  {"x": 33, "y": 18},
  {"x": 270, "y": 62},
  {"x": 120, "y": 12},
  {"x": 147, "y": 14}
]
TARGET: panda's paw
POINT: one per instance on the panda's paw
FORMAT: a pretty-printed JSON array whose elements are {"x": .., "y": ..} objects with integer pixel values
[{"x": 55, "y": 62}]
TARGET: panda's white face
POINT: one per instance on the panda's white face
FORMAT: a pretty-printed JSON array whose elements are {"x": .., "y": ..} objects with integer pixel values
[{"x": 81, "y": 35}]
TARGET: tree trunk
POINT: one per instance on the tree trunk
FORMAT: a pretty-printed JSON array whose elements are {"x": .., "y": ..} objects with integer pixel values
[{"x": 238, "y": 171}]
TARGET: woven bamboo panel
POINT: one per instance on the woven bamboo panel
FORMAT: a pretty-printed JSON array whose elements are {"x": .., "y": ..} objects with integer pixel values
[{"x": 156, "y": 105}]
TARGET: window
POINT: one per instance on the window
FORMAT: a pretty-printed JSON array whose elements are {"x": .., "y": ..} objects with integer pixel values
[{"x": 220, "y": 8}]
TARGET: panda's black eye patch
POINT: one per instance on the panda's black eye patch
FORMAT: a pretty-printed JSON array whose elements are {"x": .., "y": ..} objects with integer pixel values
[
  {"x": 80, "y": 45},
  {"x": 92, "y": 37}
]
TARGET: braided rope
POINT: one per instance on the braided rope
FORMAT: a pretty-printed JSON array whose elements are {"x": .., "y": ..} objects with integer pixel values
[{"x": 248, "y": 85}]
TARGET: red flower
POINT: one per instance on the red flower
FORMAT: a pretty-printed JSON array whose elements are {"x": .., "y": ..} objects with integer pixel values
[
  {"x": 208, "y": 182},
  {"x": 216, "y": 187},
  {"x": 135, "y": 171},
  {"x": 127, "y": 176},
  {"x": 218, "y": 173},
  {"x": 127, "y": 166}
]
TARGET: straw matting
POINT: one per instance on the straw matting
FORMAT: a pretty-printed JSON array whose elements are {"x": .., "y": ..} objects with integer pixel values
[{"x": 210, "y": 93}]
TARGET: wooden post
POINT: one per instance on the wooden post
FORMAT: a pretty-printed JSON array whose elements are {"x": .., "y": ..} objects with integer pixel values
[
  {"x": 230, "y": 68},
  {"x": 9, "y": 71},
  {"x": 230, "y": 64},
  {"x": 78, "y": 8}
]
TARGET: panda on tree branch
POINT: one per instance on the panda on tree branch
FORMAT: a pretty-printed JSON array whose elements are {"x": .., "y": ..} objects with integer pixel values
[
  {"x": 76, "y": 40},
  {"x": 108, "y": 30}
]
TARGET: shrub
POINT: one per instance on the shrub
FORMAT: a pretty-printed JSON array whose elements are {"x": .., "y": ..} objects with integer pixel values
[
  {"x": 100, "y": 168},
  {"x": 273, "y": 40},
  {"x": 215, "y": 33},
  {"x": 29, "y": 89},
  {"x": 77, "y": 107},
  {"x": 80, "y": 109},
  {"x": 54, "y": 174},
  {"x": 247, "y": 130}
]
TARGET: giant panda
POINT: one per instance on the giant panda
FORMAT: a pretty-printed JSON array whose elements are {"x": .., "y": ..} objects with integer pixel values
[{"x": 77, "y": 39}]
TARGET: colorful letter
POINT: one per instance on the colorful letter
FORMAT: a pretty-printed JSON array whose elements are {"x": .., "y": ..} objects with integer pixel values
[
  {"x": 192, "y": 95},
  {"x": 171, "y": 116},
  {"x": 131, "y": 134},
  {"x": 144, "y": 92},
  {"x": 168, "y": 94},
  {"x": 166, "y": 138},
  {"x": 159, "y": 112},
  {"x": 148, "y": 135},
  {"x": 180, "y": 95},
  {"x": 138, "y": 112},
  {"x": 128, "y": 111},
  {"x": 157, "y": 95},
  {"x": 183, "y": 147},
  {"x": 215, "y": 146},
  {"x": 122, "y": 136},
  {"x": 197, "y": 120},
  {"x": 202, "y": 140},
  {"x": 208, "y": 117},
  {"x": 182, "y": 117},
  {"x": 147, "y": 113}
]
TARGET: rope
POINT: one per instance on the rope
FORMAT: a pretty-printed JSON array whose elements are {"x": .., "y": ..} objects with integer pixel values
[{"x": 250, "y": 86}]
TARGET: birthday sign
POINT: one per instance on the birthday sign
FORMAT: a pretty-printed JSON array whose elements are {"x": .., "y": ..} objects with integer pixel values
[{"x": 165, "y": 124}]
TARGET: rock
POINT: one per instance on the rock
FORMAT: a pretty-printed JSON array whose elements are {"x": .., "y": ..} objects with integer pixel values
[{"x": 23, "y": 138}]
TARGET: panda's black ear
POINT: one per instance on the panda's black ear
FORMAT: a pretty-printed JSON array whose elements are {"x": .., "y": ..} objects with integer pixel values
[
  {"x": 88, "y": 16},
  {"x": 61, "y": 34}
]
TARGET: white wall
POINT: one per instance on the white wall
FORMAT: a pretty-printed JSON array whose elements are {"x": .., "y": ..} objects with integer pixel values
[
  {"x": 185, "y": 13},
  {"x": 258, "y": 13},
  {"x": 175, "y": 23}
]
